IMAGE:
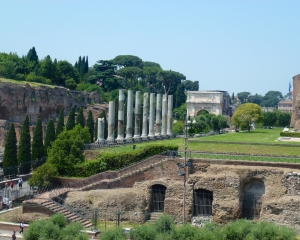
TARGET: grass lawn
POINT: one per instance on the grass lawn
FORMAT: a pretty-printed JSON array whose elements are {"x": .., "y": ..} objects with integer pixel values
[
  {"x": 32, "y": 84},
  {"x": 256, "y": 136}
]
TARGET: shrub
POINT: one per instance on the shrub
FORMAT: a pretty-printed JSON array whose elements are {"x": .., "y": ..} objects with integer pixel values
[
  {"x": 290, "y": 134},
  {"x": 237, "y": 230},
  {"x": 164, "y": 224},
  {"x": 43, "y": 176},
  {"x": 143, "y": 232},
  {"x": 114, "y": 234}
]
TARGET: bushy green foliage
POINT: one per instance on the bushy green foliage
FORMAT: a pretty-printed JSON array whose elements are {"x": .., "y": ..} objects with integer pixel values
[
  {"x": 114, "y": 234},
  {"x": 112, "y": 160},
  {"x": 66, "y": 150},
  {"x": 54, "y": 229},
  {"x": 44, "y": 175},
  {"x": 88, "y": 87},
  {"x": 24, "y": 153},
  {"x": 10, "y": 152}
]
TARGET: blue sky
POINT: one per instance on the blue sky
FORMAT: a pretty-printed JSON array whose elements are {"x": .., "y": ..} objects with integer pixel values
[{"x": 225, "y": 45}]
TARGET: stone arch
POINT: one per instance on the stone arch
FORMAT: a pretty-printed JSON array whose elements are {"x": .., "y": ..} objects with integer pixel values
[
  {"x": 251, "y": 197},
  {"x": 200, "y": 111}
]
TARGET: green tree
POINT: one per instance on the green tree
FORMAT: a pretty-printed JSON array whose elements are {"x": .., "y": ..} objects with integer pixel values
[
  {"x": 170, "y": 80},
  {"x": 32, "y": 55},
  {"x": 10, "y": 160},
  {"x": 67, "y": 71},
  {"x": 214, "y": 122},
  {"x": 38, "y": 150},
  {"x": 271, "y": 99},
  {"x": 24, "y": 153},
  {"x": 180, "y": 96},
  {"x": 130, "y": 76},
  {"x": 128, "y": 61},
  {"x": 60, "y": 123},
  {"x": 47, "y": 68},
  {"x": 55, "y": 229},
  {"x": 44, "y": 175},
  {"x": 50, "y": 134},
  {"x": 270, "y": 118},
  {"x": 247, "y": 113},
  {"x": 90, "y": 125},
  {"x": 283, "y": 119},
  {"x": 257, "y": 99},
  {"x": 243, "y": 96},
  {"x": 191, "y": 85},
  {"x": 80, "y": 118},
  {"x": 71, "y": 119},
  {"x": 66, "y": 151},
  {"x": 222, "y": 122}
]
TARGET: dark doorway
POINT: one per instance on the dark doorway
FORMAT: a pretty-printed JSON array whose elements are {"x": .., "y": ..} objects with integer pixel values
[
  {"x": 253, "y": 200},
  {"x": 203, "y": 202},
  {"x": 158, "y": 198}
]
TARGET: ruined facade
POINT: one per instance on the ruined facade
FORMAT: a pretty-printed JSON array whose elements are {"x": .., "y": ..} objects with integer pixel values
[{"x": 216, "y": 190}]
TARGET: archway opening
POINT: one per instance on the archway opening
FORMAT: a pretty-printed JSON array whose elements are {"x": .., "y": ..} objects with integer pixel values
[
  {"x": 203, "y": 202},
  {"x": 202, "y": 112},
  {"x": 252, "y": 200},
  {"x": 158, "y": 198}
]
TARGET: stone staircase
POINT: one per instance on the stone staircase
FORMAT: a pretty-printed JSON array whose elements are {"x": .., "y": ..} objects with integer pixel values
[
  {"x": 68, "y": 214},
  {"x": 154, "y": 216}
]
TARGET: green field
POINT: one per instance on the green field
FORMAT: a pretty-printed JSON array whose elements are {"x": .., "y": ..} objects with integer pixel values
[
  {"x": 218, "y": 143},
  {"x": 32, "y": 84}
]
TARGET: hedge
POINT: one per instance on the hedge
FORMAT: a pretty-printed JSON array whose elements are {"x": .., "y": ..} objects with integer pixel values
[
  {"x": 290, "y": 134},
  {"x": 113, "y": 161}
]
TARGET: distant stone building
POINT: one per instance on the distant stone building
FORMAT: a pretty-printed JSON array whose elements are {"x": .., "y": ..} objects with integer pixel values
[
  {"x": 268, "y": 109},
  {"x": 216, "y": 102},
  {"x": 285, "y": 106}
]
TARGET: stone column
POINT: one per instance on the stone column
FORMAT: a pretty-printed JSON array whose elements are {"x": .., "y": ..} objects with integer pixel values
[
  {"x": 129, "y": 116},
  {"x": 170, "y": 115},
  {"x": 111, "y": 121},
  {"x": 100, "y": 130},
  {"x": 164, "y": 116},
  {"x": 137, "y": 119},
  {"x": 158, "y": 116},
  {"x": 120, "y": 136},
  {"x": 151, "y": 115},
  {"x": 145, "y": 116}
]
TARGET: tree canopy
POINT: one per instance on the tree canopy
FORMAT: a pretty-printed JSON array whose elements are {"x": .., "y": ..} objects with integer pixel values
[{"x": 246, "y": 114}]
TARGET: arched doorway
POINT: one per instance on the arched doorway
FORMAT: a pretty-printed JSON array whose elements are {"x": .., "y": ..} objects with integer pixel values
[
  {"x": 202, "y": 112},
  {"x": 252, "y": 201},
  {"x": 158, "y": 198}
]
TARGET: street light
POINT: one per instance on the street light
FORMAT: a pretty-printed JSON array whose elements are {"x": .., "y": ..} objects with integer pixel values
[{"x": 184, "y": 165}]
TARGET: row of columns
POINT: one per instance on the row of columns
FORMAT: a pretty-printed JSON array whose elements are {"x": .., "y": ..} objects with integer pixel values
[{"x": 160, "y": 128}]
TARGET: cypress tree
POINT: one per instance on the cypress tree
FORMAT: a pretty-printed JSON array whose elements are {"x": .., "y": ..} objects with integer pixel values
[
  {"x": 50, "y": 134},
  {"x": 90, "y": 125},
  {"x": 60, "y": 123},
  {"x": 82, "y": 67},
  {"x": 80, "y": 118},
  {"x": 37, "y": 142},
  {"x": 10, "y": 160},
  {"x": 32, "y": 55},
  {"x": 71, "y": 120},
  {"x": 24, "y": 153},
  {"x": 79, "y": 64},
  {"x": 86, "y": 65}
]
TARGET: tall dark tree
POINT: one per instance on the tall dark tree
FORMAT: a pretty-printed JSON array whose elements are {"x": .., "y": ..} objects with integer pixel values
[
  {"x": 180, "y": 96},
  {"x": 10, "y": 160},
  {"x": 50, "y": 134},
  {"x": 71, "y": 120},
  {"x": 32, "y": 55},
  {"x": 90, "y": 125},
  {"x": 24, "y": 153},
  {"x": 38, "y": 150},
  {"x": 82, "y": 67},
  {"x": 80, "y": 118},
  {"x": 232, "y": 97},
  {"x": 86, "y": 65},
  {"x": 60, "y": 123}
]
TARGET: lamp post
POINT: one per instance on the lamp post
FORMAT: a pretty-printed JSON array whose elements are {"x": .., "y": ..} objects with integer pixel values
[{"x": 185, "y": 164}]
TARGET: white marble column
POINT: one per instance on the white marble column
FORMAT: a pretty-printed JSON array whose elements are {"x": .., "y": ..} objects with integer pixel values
[
  {"x": 170, "y": 115},
  {"x": 145, "y": 116},
  {"x": 129, "y": 116},
  {"x": 164, "y": 115},
  {"x": 120, "y": 136},
  {"x": 137, "y": 119},
  {"x": 111, "y": 121}
]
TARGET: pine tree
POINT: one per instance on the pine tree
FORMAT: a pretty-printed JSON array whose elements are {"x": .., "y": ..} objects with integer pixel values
[
  {"x": 80, "y": 118},
  {"x": 71, "y": 120},
  {"x": 24, "y": 153},
  {"x": 50, "y": 134},
  {"x": 90, "y": 125},
  {"x": 32, "y": 55},
  {"x": 38, "y": 151},
  {"x": 86, "y": 65},
  {"x": 10, "y": 160},
  {"x": 60, "y": 123}
]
